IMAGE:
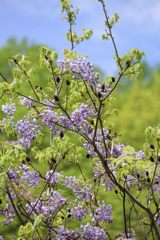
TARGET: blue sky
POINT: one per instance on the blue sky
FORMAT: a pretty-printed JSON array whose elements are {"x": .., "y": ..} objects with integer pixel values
[{"x": 40, "y": 21}]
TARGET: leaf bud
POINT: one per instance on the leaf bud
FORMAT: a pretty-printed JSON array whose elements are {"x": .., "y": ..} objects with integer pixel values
[
  {"x": 113, "y": 79},
  {"x": 147, "y": 173},
  {"x": 148, "y": 180},
  {"x": 88, "y": 155},
  {"x": 103, "y": 87},
  {"x": 69, "y": 215},
  {"x": 68, "y": 82},
  {"x": 152, "y": 146},
  {"x": 151, "y": 159},
  {"x": 61, "y": 134},
  {"x": 92, "y": 122},
  {"x": 128, "y": 63},
  {"x": 138, "y": 176},
  {"x": 0, "y": 201},
  {"x": 99, "y": 95},
  {"x": 28, "y": 159},
  {"x": 58, "y": 79},
  {"x": 53, "y": 160},
  {"x": 116, "y": 191},
  {"x": 56, "y": 98},
  {"x": 46, "y": 57}
]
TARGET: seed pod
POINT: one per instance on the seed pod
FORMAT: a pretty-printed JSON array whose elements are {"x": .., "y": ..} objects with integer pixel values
[
  {"x": 46, "y": 57},
  {"x": 68, "y": 82},
  {"x": 0, "y": 201},
  {"x": 56, "y": 98},
  {"x": 92, "y": 122},
  {"x": 62, "y": 217},
  {"x": 128, "y": 63},
  {"x": 99, "y": 95},
  {"x": 103, "y": 87},
  {"x": 69, "y": 215},
  {"x": 88, "y": 155},
  {"x": 138, "y": 176},
  {"x": 116, "y": 191},
  {"x": 53, "y": 160},
  {"x": 148, "y": 180},
  {"x": 28, "y": 159},
  {"x": 61, "y": 134},
  {"x": 147, "y": 173},
  {"x": 152, "y": 146},
  {"x": 151, "y": 159},
  {"x": 113, "y": 79},
  {"x": 58, "y": 79}
]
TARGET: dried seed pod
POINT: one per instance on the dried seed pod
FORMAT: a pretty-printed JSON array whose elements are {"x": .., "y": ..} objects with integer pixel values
[
  {"x": 61, "y": 134},
  {"x": 58, "y": 79},
  {"x": 113, "y": 79},
  {"x": 28, "y": 159},
  {"x": 56, "y": 98},
  {"x": 68, "y": 82},
  {"x": 128, "y": 63},
  {"x": 152, "y": 146},
  {"x": 151, "y": 159},
  {"x": 53, "y": 160}
]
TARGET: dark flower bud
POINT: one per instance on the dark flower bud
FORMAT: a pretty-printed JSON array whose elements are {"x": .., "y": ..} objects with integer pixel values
[
  {"x": 0, "y": 201},
  {"x": 109, "y": 131},
  {"x": 46, "y": 57},
  {"x": 88, "y": 155},
  {"x": 113, "y": 79},
  {"x": 128, "y": 64},
  {"x": 15, "y": 60},
  {"x": 56, "y": 98},
  {"x": 53, "y": 160},
  {"x": 28, "y": 159},
  {"x": 148, "y": 180},
  {"x": 116, "y": 191},
  {"x": 68, "y": 82},
  {"x": 62, "y": 217},
  {"x": 147, "y": 173},
  {"x": 99, "y": 95},
  {"x": 156, "y": 182},
  {"x": 36, "y": 87},
  {"x": 40, "y": 88},
  {"x": 138, "y": 176},
  {"x": 23, "y": 162},
  {"x": 69, "y": 215},
  {"x": 151, "y": 159},
  {"x": 64, "y": 155},
  {"x": 58, "y": 79},
  {"x": 103, "y": 87},
  {"x": 94, "y": 180},
  {"x": 61, "y": 134},
  {"x": 68, "y": 210},
  {"x": 92, "y": 122},
  {"x": 152, "y": 146},
  {"x": 158, "y": 159}
]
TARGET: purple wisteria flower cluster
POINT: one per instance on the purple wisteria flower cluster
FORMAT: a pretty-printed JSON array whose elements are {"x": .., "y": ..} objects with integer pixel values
[{"x": 79, "y": 68}]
